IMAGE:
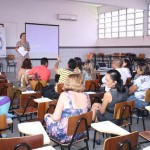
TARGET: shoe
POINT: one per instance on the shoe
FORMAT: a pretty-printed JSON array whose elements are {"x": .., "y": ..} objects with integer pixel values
[
  {"x": 135, "y": 116},
  {"x": 98, "y": 142}
]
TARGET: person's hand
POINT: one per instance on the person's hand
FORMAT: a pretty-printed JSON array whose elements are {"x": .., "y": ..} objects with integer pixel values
[
  {"x": 17, "y": 48},
  {"x": 59, "y": 59}
]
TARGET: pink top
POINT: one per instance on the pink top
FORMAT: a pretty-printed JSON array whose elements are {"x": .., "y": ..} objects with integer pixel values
[{"x": 42, "y": 71}]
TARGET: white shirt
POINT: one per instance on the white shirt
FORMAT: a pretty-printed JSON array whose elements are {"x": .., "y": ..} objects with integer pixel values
[{"x": 127, "y": 71}]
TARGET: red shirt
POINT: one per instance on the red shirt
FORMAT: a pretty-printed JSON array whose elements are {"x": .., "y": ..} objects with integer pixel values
[{"x": 42, "y": 71}]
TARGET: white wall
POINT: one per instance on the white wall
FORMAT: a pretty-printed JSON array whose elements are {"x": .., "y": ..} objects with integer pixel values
[{"x": 83, "y": 32}]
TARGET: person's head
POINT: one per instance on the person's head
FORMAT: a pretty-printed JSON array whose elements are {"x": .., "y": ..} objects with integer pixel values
[
  {"x": 79, "y": 62},
  {"x": 117, "y": 63},
  {"x": 26, "y": 64},
  {"x": 72, "y": 64},
  {"x": 44, "y": 61},
  {"x": 126, "y": 63},
  {"x": 74, "y": 82},
  {"x": 143, "y": 69},
  {"x": 23, "y": 36},
  {"x": 113, "y": 80}
]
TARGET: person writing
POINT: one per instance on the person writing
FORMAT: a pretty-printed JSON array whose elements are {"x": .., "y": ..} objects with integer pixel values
[{"x": 22, "y": 43}]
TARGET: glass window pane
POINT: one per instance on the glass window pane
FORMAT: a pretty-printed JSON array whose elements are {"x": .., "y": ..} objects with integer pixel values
[
  {"x": 139, "y": 15},
  {"x": 122, "y": 17},
  {"x": 101, "y": 35},
  {"x": 101, "y": 20},
  {"x": 130, "y": 34},
  {"x": 138, "y": 10},
  {"x": 101, "y": 30},
  {"x": 107, "y": 19},
  {"x": 107, "y": 30},
  {"x": 149, "y": 6},
  {"x": 122, "y": 34},
  {"x": 122, "y": 12},
  {"x": 130, "y": 10},
  {"x": 102, "y": 15},
  {"x": 115, "y": 29},
  {"x": 108, "y": 14},
  {"x": 130, "y": 16},
  {"x": 114, "y": 18},
  {"x": 139, "y": 27},
  {"x": 108, "y": 35},
  {"x": 130, "y": 28},
  {"x": 107, "y": 25},
  {"x": 139, "y": 20},
  {"x": 101, "y": 25},
  {"x": 149, "y": 13},
  {"x": 115, "y": 35},
  {"x": 122, "y": 23},
  {"x": 114, "y": 24},
  {"x": 148, "y": 32},
  {"x": 130, "y": 22},
  {"x": 115, "y": 13},
  {"x": 138, "y": 33},
  {"x": 148, "y": 26},
  {"x": 122, "y": 29},
  {"x": 149, "y": 19}
]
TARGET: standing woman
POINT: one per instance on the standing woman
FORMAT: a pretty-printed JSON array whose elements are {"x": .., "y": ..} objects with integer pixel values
[{"x": 26, "y": 46}]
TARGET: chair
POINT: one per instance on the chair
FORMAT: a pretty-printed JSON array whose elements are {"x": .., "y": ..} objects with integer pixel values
[
  {"x": 92, "y": 85},
  {"x": 145, "y": 135},
  {"x": 27, "y": 105},
  {"x": 33, "y": 142},
  {"x": 10, "y": 60},
  {"x": 123, "y": 113},
  {"x": 60, "y": 88},
  {"x": 125, "y": 142},
  {"x": 4, "y": 87},
  {"x": 141, "y": 111},
  {"x": 96, "y": 97},
  {"x": 4, "y": 124},
  {"x": 37, "y": 85},
  {"x": 77, "y": 124},
  {"x": 1, "y": 67}
]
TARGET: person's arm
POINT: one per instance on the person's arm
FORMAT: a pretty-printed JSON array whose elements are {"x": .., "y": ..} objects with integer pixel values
[
  {"x": 132, "y": 88},
  {"x": 28, "y": 48},
  {"x": 57, "y": 64},
  {"x": 19, "y": 74},
  {"x": 106, "y": 99},
  {"x": 31, "y": 72},
  {"x": 59, "y": 107}
]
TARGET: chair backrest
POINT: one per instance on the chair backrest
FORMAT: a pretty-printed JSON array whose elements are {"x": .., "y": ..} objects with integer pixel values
[
  {"x": 80, "y": 120},
  {"x": 91, "y": 85},
  {"x": 123, "y": 110},
  {"x": 3, "y": 123},
  {"x": 10, "y": 59},
  {"x": 34, "y": 84},
  {"x": 121, "y": 142},
  {"x": 147, "y": 96},
  {"x": 27, "y": 100},
  {"x": 35, "y": 141},
  {"x": 60, "y": 88}
]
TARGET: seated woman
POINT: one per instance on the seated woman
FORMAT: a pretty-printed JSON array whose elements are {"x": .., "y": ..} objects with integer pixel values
[
  {"x": 117, "y": 93},
  {"x": 88, "y": 71},
  {"x": 140, "y": 85},
  {"x": 71, "y": 102},
  {"x": 127, "y": 68},
  {"x": 26, "y": 66},
  {"x": 4, "y": 108}
]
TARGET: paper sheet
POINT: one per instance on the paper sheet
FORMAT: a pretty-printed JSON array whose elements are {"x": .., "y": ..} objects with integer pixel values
[{"x": 22, "y": 51}]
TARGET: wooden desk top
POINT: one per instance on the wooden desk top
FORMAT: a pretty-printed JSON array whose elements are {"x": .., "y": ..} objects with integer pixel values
[
  {"x": 42, "y": 100},
  {"x": 109, "y": 127},
  {"x": 45, "y": 148},
  {"x": 147, "y": 107},
  {"x": 34, "y": 128}
]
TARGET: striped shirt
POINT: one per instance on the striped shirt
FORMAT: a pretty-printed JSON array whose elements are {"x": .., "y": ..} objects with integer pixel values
[{"x": 64, "y": 73}]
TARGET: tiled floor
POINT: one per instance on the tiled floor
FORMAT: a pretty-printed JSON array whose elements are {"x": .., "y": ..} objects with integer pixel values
[{"x": 135, "y": 127}]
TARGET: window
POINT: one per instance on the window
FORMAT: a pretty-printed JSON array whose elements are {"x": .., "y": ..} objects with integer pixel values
[{"x": 122, "y": 23}]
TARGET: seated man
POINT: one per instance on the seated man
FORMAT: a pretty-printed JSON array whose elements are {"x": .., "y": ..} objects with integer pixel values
[
  {"x": 117, "y": 65},
  {"x": 51, "y": 91},
  {"x": 42, "y": 72}
]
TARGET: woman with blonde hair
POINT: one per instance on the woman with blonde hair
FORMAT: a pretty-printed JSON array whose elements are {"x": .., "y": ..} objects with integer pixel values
[
  {"x": 71, "y": 102},
  {"x": 89, "y": 72}
]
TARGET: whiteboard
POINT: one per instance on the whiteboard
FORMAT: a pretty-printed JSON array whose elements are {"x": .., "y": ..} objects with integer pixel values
[{"x": 43, "y": 40}]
